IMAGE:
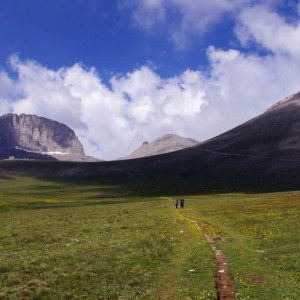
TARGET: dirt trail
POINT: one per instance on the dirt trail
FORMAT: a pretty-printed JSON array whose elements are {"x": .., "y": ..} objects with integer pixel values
[{"x": 224, "y": 284}]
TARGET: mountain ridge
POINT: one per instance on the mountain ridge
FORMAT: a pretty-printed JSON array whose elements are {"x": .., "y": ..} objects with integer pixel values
[{"x": 294, "y": 98}]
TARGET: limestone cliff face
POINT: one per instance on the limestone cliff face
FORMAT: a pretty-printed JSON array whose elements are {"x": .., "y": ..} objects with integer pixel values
[{"x": 20, "y": 134}]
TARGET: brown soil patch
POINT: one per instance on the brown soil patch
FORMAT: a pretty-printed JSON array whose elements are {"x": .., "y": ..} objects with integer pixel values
[{"x": 256, "y": 279}]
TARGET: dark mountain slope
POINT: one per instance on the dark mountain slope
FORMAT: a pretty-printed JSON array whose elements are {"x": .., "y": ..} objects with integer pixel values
[
  {"x": 275, "y": 132},
  {"x": 261, "y": 154}
]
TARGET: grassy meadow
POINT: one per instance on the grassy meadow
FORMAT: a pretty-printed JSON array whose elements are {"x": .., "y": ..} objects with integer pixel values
[
  {"x": 260, "y": 235},
  {"x": 64, "y": 240}
]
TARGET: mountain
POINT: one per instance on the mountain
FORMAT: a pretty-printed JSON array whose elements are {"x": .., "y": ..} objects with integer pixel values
[
  {"x": 275, "y": 133},
  {"x": 261, "y": 155},
  {"x": 29, "y": 136},
  {"x": 164, "y": 144}
]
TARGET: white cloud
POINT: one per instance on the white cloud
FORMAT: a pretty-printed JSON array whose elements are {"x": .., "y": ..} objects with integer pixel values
[
  {"x": 197, "y": 18},
  {"x": 270, "y": 30},
  {"x": 148, "y": 13},
  {"x": 247, "y": 84},
  {"x": 185, "y": 19},
  {"x": 192, "y": 17}
]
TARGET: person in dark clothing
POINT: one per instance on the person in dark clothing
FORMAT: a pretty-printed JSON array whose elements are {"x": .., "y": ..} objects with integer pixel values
[
  {"x": 176, "y": 203},
  {"x": 181, "y": 203}
]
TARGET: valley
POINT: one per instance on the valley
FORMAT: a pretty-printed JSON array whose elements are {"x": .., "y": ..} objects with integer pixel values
[
  {"x": 109, "y": 230},
  {"x": 149, "y": 150}
]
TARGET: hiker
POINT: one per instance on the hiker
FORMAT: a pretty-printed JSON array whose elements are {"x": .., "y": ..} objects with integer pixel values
[
  {"x": 176, "y": 203},
  {"x": 181, "y": 203}
]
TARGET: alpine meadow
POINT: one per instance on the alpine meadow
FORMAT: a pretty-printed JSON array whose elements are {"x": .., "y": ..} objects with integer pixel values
[{"x": 149, "y": 150}]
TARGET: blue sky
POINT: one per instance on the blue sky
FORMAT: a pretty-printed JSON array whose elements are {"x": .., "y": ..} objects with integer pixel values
[
  {"x": 102, "y": 34},
  {"x": 121, "y": 72}
]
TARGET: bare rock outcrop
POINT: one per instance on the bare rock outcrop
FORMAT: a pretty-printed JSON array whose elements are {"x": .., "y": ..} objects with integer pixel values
[
  {"x": 290, "y": 100},
  {"x": 30, "y": 136},
  {"x": 164, "y": 144}
]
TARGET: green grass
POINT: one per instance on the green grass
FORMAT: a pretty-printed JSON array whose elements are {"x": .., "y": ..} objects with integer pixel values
[
  {"x": 260, "y": 235},
  {"x": 85, "y": 240},
  {"x": 64, "y": 241},
  {"x": 21, "y": 192}
]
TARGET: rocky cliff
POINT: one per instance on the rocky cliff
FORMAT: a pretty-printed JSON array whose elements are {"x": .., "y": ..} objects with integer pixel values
[
  {"x": 164, "y": 144},
  {"x": 29, "y": 136}
]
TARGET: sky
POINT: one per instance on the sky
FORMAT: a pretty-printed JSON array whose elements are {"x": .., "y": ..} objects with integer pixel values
[{"x": 121, "y": 72}]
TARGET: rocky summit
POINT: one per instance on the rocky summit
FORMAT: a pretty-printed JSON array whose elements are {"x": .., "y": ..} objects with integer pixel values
[
  {"x": 33, "y": 137},
  {"x": 165, "y": 144}
]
